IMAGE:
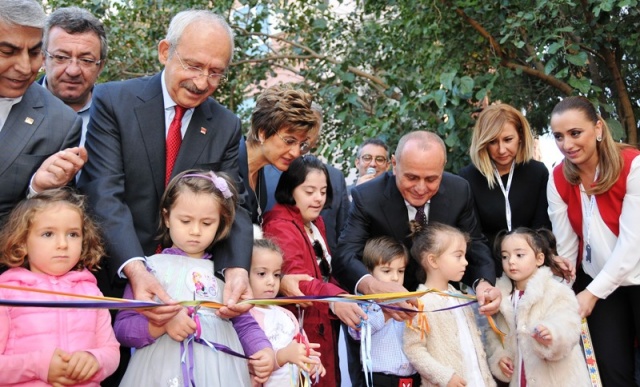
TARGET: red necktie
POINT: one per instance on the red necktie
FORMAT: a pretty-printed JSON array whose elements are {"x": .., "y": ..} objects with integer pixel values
[{"x": 174, "y": 139}]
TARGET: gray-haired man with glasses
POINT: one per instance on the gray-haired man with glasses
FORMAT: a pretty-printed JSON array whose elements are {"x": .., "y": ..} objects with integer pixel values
[
  {"x": 372, "y": 160},
  {"x": 74, "y": 51},
  {"x": 38, "y": 133},
  {"x": 128, "y": 158}
]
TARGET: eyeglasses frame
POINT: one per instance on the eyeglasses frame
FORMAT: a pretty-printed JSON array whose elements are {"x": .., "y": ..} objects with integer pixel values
[
  {"x": 66, "y": 60},
  {"x": 219, "y": 78}
]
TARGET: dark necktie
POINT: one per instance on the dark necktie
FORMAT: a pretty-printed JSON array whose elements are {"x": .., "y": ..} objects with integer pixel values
[
  {"x": 174, "y": 140},
  {"x": 421, "y": 217}
]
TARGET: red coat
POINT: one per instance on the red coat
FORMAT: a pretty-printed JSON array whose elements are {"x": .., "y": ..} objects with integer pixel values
[{"x": 284, "y": 224}]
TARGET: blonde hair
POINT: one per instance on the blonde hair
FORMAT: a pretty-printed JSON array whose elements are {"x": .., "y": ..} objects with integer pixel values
[
  {"x": 488, "y": 127},
  {"x": 610, "y": 159},
  {"x": 219, "y": 185},
  {"x": 13, "y": 238}
]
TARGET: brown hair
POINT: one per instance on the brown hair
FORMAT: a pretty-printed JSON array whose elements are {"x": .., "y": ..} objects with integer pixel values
[
  {"x": 540, "y": 240},
  {"x": 13, "y": 237},
  {"x": 283, "y": 107},
  {"x": 216, "y": 184},
  {"x": 382, "y": 250},
  {"x": 488, "y": 127},
  {"x": 610, "y": 159}
]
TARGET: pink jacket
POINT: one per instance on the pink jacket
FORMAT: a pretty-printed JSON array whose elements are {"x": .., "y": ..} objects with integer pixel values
[{"x": 29, "y": 335}]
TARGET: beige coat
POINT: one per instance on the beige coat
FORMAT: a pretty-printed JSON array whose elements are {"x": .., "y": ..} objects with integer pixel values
[
  {"x": 552, "y": 304},
  {"x": 438, "y": 355}
]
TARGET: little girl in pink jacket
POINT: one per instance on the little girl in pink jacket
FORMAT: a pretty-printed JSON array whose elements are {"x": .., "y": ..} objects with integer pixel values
[{"x": 50, "y": 244}]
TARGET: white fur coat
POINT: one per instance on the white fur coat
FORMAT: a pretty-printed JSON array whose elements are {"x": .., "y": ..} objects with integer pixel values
[
  {"x": 438, "y": 355},
  {"x": 545, "y": 302}
]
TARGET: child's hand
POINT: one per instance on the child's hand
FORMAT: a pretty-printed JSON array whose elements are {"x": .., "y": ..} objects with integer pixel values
[
  {"x": 82, "y": 366},
  {"x": 542, "y": 335},
  {"x": 296, "y": 353},
  {"x": 318, "y": 369},
  {"x": 349, "y": 313},
  {"x": 261, "y": 364},
  {"x": 456, "y": 381},
  {"x": 58, "y": 368},
  {"x": 506, "y": 366},
  {"x": 180, "y": 326}
]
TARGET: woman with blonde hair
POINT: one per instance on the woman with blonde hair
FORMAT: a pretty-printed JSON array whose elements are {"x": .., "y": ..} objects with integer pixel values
[
  {"x": 594, "y": 202},
  {"x": 508, "y": 185}
]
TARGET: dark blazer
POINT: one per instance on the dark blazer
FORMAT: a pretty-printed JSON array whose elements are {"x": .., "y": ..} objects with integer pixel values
[
  {"x": 256, "y": 201},
  {"x": 37, "y": 127},
  {"x": 124, "y": 177},
  {"x": 379, "y": 209}
]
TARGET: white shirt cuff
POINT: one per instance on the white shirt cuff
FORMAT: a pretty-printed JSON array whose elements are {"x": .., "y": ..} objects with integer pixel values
[
  {"x": 121, "y": 268},
  {"x": 355, "y": 291},
  {"x": 32, "y": 192}
]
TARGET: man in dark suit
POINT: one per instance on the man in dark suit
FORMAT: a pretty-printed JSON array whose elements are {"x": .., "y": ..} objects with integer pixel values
[
  {"x": 126, "y": 141},
  {"x": 385, "y": 205},
  {"x": 38, "y": 133}
]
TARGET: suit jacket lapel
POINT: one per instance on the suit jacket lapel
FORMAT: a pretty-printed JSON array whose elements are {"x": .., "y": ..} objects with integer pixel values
[
  {"x": 24, "y": 119},
  {"x": 439, "y": 205},
  {"x": 395, "y": 210},
  {"x": 150, "y": 116},
  {"x": 198, "y": 134}
]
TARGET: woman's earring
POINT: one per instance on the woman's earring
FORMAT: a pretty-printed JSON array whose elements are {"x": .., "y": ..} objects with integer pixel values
[{"x": 599, "y": 138}]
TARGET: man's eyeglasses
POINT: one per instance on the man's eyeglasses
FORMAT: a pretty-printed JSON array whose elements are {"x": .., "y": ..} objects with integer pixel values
[
  {"x": 66, "y": 60},
  {"x": 380, "y": 160},
  {"x": 197, "y": 72},
  {"x": 325, "y": 267},
  {"x": 291, "y": 142}
]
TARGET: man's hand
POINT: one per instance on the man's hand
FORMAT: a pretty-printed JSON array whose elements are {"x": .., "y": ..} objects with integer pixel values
[
  {"x": 365, "y": 178},
  {"x": 489, "y": 298},
  {"x": 59, "y": 169},
  {"x": 370, "y": 285},
  {"x": 145, "y": 287},
  {"x": 236, "y": 288},
  {"x": 349, "y": 313},
  {"x": 290, "y": 286}
]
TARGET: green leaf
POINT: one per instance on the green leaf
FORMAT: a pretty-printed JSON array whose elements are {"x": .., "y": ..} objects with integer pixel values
[
  {"x": 617, "y": 131},
  {"x": 447, "y": 79},
  {"x": 440, "y": 98},
  {"x": 582, "y": 84},
  {"x": 579, "y": 59},
  {"x": 554, "y": 47},
  {"x": 466, "y": 86}
]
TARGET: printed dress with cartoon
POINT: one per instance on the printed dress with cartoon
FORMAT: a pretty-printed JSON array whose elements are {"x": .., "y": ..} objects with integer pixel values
[{"x": 159, "y": 364}]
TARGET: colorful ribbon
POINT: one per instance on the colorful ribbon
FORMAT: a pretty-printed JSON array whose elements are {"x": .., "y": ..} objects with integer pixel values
[{"x": 589, "y": 355}]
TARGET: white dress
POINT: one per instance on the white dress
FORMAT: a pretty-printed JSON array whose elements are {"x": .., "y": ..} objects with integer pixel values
[
  {"x": 159, "y": 364},
  {"x": 280, "y": 326}
]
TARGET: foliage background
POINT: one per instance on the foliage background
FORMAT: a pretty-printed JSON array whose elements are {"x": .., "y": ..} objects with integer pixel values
[{"x": 381, "y": 68}]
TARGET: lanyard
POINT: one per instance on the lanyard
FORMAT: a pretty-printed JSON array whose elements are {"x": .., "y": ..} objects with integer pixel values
[
  {"x": 588, "y": 215},
  {"x": 505, "y": 191}
]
